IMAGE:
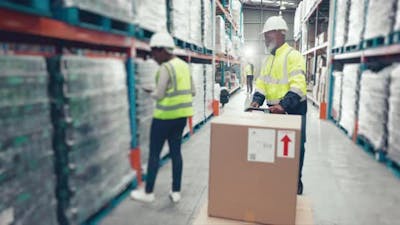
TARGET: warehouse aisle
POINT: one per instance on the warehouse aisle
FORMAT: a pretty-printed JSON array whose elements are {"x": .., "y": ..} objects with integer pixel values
[{"x": 345, "y": 185}]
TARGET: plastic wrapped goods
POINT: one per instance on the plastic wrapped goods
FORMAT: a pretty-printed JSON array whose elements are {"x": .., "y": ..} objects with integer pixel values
[
  {"x": 297, "y": 20},
  {"x": 197, "y": 71},
  {"x": 181, "y": 19},
  {"x": 92, "y": 133},
  {"x": 220, "y": 45},
  {"x": 151, "y": 15},
  {"x": 117, "y": 9},
  {"x": 236, "y": 9},
  {"x": 195, "y": 22},
  {"x": 349, "y": 97},
  {"x": 208, "y": 89},
  {"x": 145, "y": 78},
  {"x": 356, "y": 21},
  {"x": 397, "y": 24},
  {"x": 337, "y": 95},
  {"x": 341, "y": 28},
  {"x": 379, "y": 18},
  {"x": 207, "y": 25},
  {"x": 394, "y": 115},
  {"x": 373, "y": 107},
  {"x": 26, "y": 151}
]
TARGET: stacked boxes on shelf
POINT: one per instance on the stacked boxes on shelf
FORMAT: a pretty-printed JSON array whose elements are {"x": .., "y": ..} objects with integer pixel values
[
  {"x": 349, "y": 97},
  {"x": 220, "y": 35},
  {"x": 394, "y": 116},
  {"x": 145, "y": 78},
  {"x": 379, "y": 19},
  {"x": 151, "y": 15},
  {"x": 180, "y": 19},
  {"x": 197, "y": 71},
  {"x": 356, "y": 22},
  {"x": 194, "y": 22},
  {"x": 373, "y": 107},
  {"x": 207, "y": 24},
  {"x": 27, "y": 180},
  {"x": 337, "y": 95},
  {"x": 298, "y": 21},
  {"x": 320, "y": 80},
  {"x": 208, "y": 89},
  {"x": 119, "y": 9},
  {"x": 341, "y": 24},
  {"x": 236, "y": 10},
  {"x": 397, "y": 22},
  {"x": 92, "y": 133}
]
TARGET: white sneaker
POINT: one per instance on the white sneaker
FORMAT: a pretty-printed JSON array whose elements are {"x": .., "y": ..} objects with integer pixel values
[
  {"x": 141, "y": 195},
  {"x": 175, "y": 196}
]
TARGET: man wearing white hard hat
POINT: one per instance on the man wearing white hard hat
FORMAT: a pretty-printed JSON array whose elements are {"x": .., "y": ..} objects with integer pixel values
[
  {"x": 282, "y": 81},
  {"x": 173, "y": 95}
]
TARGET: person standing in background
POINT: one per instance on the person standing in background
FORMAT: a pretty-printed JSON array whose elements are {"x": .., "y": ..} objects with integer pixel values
[{"x": 249, "y": 72}]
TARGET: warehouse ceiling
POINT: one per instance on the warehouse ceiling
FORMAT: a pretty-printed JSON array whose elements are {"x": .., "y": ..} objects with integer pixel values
[{"x": 284, "y": 4}]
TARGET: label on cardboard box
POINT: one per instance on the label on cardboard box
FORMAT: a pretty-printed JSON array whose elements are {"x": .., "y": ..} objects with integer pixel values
[
  {"x": 286, "y": 144},
  {"x": 261, "y": 145}
]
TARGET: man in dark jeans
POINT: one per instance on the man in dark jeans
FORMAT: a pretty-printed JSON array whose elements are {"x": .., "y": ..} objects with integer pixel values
[{"x": 173, "y": 94}]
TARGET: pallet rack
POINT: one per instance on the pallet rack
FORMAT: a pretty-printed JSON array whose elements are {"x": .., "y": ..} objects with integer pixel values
[{"x": 32, "y": 22}]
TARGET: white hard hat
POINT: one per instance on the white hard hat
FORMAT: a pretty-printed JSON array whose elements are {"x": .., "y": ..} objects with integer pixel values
[
  {"x": 162, "y": 40},
  {"x": 275, "y": 23}
]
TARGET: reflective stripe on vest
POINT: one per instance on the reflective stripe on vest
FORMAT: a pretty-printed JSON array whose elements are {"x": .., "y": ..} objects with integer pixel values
[{"x": 283, "y": 82}]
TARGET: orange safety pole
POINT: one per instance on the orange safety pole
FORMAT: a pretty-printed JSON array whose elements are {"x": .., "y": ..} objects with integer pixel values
[
  {"x": 322, "y": 111},
  {"x": 134, "y": 157},
  {"x": 215, "y": 105},
  {"x": 191, "y": 125}
]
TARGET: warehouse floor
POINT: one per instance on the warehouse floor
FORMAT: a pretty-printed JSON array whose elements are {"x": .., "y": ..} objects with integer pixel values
[{"x": 345, "y": 185}]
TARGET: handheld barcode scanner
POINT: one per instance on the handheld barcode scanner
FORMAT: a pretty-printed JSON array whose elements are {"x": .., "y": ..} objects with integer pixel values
[{"x": 250, "y": 109}]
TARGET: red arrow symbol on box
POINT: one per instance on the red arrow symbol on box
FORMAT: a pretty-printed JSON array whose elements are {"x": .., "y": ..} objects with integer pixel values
[{"x": 286, "y": 141}]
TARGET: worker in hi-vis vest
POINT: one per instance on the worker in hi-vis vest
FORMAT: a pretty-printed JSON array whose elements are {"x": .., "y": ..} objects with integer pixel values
[
  {"x": 282, "y": 81},
  {"x": 174, "y": 96},
  {"x": 249, "y": 71}
]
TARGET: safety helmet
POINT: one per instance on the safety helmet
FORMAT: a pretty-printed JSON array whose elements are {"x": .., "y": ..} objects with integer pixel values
[
  {"x": 275, "y": 23},
  {"x": 162, "y": 40}
]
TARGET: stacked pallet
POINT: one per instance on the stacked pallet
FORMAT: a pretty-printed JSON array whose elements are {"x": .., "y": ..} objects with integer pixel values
[
  {"x": 195, "y": 22},
  {"x": 92, "y": 134},
  {"x": 373, "y": 107},
  {"x": 26, "y": 154},
  {"x": 180, "y": 19},
  {"x": 394, "y": 116},
  {"x": 207, "y": 24},
  {"x": 220, "y": 45},
  {"x": 209, "y": 82},
  {"x": 151, "y": 15},
  {"x": 145, "y": 78},
  {"x": 341, "y": 25},
  {"x": 197, "y": 71},
  {"x": 119, "y": 9},
  {"x": 349, "y": 97},
  {"x": 356, "y": 22},
  {"x": 379, "y": 18},
  {"x": 337, "y": 95}
]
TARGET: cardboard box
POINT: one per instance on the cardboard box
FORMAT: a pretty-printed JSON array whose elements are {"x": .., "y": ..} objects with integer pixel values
[
  {"x": 304, "y": 215},
  {"x": 254, "y": 160}
]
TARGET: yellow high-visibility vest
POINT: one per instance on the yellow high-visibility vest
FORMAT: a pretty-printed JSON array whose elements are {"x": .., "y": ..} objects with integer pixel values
[
  {"x": 281, "y": 73},
  {"x": 249, "y": 70},
  {"x": 177, "y": 102}
]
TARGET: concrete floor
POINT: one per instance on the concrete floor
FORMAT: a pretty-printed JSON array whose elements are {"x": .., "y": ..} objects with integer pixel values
[{"x": 345, "y": 185}]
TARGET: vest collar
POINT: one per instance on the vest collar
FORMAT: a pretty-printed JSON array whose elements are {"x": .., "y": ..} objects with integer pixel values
[{"x": 282, "y": 49}]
